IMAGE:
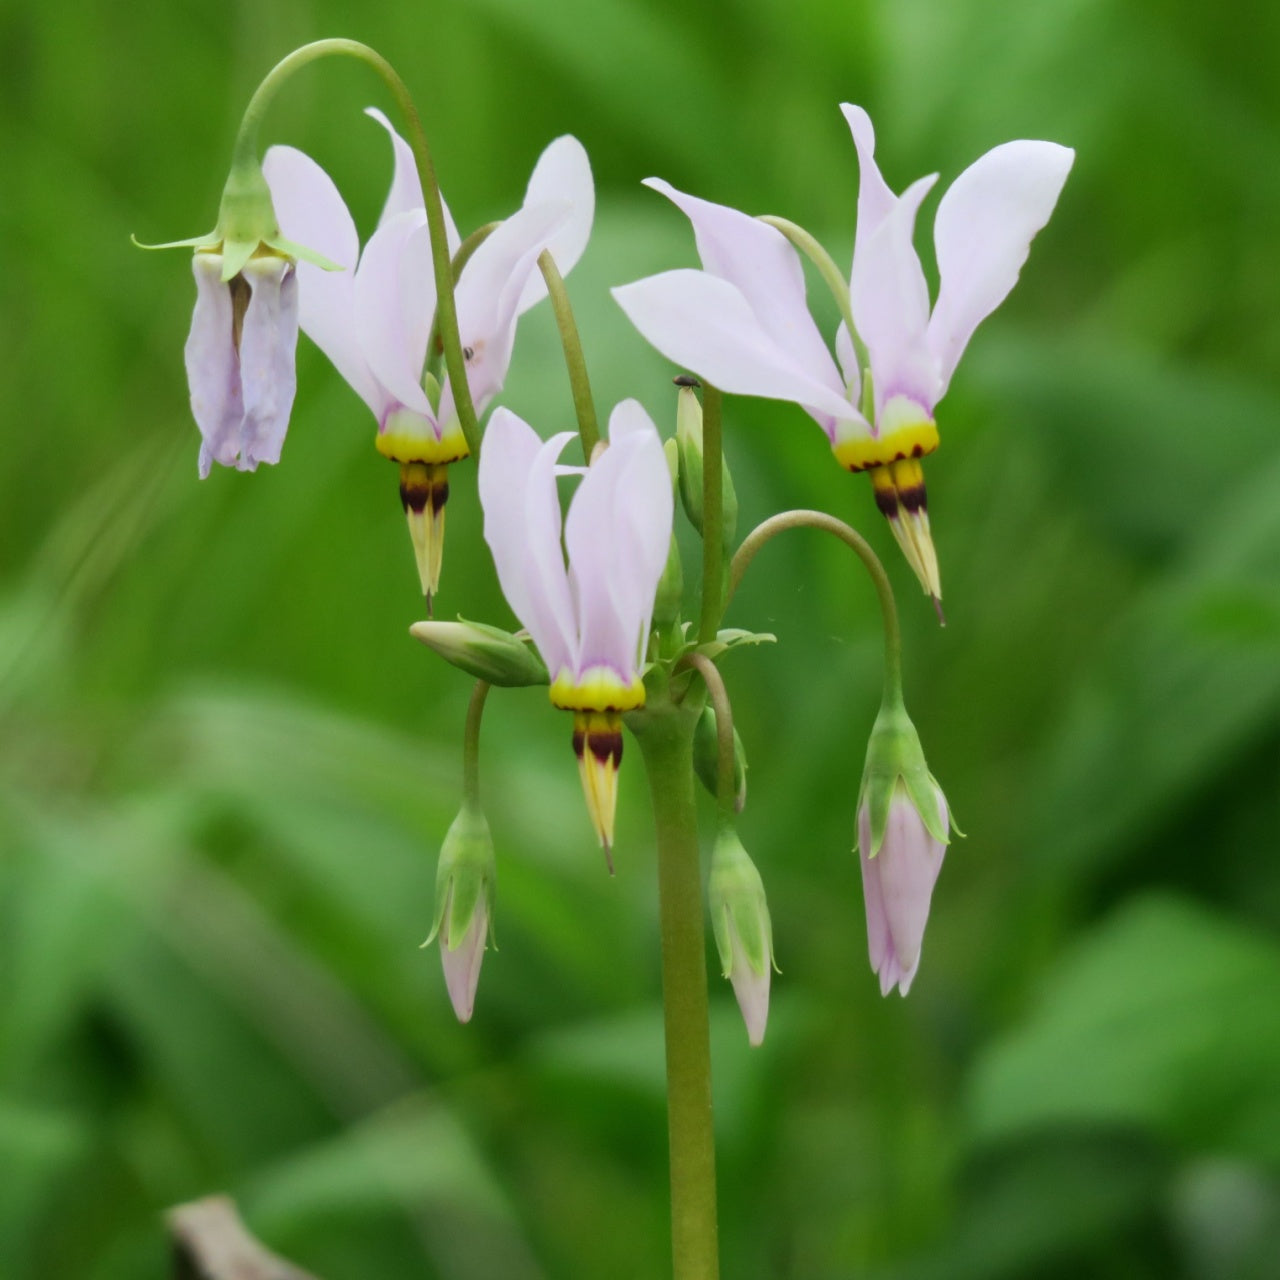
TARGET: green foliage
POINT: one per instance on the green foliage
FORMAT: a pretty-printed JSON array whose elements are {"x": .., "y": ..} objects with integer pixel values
[{"x": 225, "y": 770}]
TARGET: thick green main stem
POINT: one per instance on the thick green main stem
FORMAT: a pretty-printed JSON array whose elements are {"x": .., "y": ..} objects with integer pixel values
[
  {"x": 851, "y": 538},
  {"x": 666, "y": 741},
  {"x": 245, "y": 153}
]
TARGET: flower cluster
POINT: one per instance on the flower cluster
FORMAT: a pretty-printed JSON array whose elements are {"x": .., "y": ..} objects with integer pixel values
[{"x": 598, "y": 591}]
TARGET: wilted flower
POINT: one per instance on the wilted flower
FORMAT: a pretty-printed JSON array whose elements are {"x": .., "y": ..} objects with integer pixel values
[
  {"x": 903, "y": 831},
  {"x": 590, "y": 621},
  {"x": 374, "y": 319},
  {"x": 743, "y": 322}
]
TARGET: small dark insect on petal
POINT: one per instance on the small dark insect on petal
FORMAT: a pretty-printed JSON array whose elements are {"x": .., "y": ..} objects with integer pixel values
[{"x": 686, "y": 380}]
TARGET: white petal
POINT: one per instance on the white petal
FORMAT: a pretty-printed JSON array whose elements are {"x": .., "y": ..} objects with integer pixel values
[
  {"x": 704, "y": 324},
  {"x": 879, "y": 940},
  {"x": 617, "y": 535},
  {"x": 983, "y": 232},
  {"x": 489, "y": 289},
  {"x": 268, "y": 347},
  {"x": 750, "y": 988},
  {"x": 563, "y": 172},
  {"x": 891, "y": 306},
  {"x": 462, "y": 962},
  {"x": 875, "y": 199},
  {"x": 910, "y": 860},
  {"x": 406, "y": 191},
  {"x": 213, "y": 368},
  {"x": 522, "y": 527},
  {"x": 765, "y": 268},
  {"x": 394, "y": 306},
  {"x": 312, "y": 212}
]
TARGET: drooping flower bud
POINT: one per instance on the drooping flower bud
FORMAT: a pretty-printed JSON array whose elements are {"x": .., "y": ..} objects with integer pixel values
[
  {"x": 689, "y": 442},
  {"x": 744, "y": 934},
  {"x": 903, "y": 831},
  {"x": 464, "y": 897},
  {"x": 706, "y": 757},
  {"x": 488, "y": 653}
]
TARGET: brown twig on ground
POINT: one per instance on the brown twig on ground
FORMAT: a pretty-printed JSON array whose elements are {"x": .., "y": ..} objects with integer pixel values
[{"x": 210, "y": 1242}]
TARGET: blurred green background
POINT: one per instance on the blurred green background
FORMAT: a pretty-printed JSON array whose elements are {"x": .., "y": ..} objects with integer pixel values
[{"x": 225, "y": 768}]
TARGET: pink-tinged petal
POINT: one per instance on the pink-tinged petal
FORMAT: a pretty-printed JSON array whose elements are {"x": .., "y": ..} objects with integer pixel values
[
  {"x": 463, "y": 959},
  {"x": 983, "y": 233},
  {"x": 766, "y": 270},
  {"x": 522, "y": 527},
  {"x": 268, "y": 348},
  {"x": 394, "y": 306},
  {"x": 213, "y": 367},
  {"x": 750, "y": 988},
  {"x": 703, "y": 323},
  {"x": 879, "y": 940},
  {"x": 617, "y": 536},
  {"x": 489, "y": 290},
  {"x": 406, "y": 191},
  {"x": 848, "y": 359},
  {"x": 910, "y": 860},
  {"x": 875, "y": 199},
  {"x": 891, "y": 306},
  {"x": 563, "y": 173}
]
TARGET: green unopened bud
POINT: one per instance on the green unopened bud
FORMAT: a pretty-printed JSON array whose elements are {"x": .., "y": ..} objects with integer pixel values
[
  {"x": 706, "y": 757},
  {"x": 464, "y": 898},
  {"x": 488, "y": 653},
  {"x": 744, "y": 934},
  {"x": 689, "y": 442},
  {"x": 666, "y": 603}
]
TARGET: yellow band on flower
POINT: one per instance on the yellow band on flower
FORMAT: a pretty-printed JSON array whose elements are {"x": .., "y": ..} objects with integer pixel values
[
  {"x": 863, "y": 452},
  {"x": 422, "y": 446},
  {"x": 597, "y": 689}
]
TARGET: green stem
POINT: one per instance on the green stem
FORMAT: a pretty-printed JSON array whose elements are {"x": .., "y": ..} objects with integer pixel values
[
  {"x": 726, "y": 793},
  {"x": 245, "y": 153},
  {"x": 713, "y": 600},
  {"x": 579, "y": 383},
  {"x": 830, "y": 274},
  {"x": 850, "y": 537},
  {"x": 471, "y": 745},
  {"x": 665, "y": 734}
]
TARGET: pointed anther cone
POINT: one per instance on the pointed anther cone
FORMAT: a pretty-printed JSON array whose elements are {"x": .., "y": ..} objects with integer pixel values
[
  {"x": 424, "y": 490},
  {"x": 901, "y": 497},
  {"x": 597, "y": 742}
]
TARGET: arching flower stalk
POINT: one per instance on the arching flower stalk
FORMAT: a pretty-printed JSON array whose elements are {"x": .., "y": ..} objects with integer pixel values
[
  {"x": 590, "y": 618},
  {"x": 374, "y": 319},
  {"x": 743, "y": 322}
]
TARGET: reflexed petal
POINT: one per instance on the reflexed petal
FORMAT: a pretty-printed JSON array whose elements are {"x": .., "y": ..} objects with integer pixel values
[
  {"x": 489, "y": 289},
  {"x": 910, "y": 860},
  {"x": 268, "y": 347},
  {"x": 618, "y": 535},
  {"x": 983, "y": 232},
  {"x": 312, "y": 212},
  {"x": 522, "y": 527},
  {"x": 394, "y": 306},
  {"x": 213, "y": 368},
  {"x": 875, "y": 199},
  {"x": 563, "y": 172},
  {"x": 704, "y": 324},
  {"x": 891, "y": 306},
  {"x": 406, "y": 191},
  {"x": 766, "y": 270}
]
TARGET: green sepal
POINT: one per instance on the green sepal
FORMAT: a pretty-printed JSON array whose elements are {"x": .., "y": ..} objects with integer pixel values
[
  {"x": 732, "y": 638},
  {"x": 465, "y": 876},
  {"x": 738, "y": 903},
  {"x": 896, "y": 758},
  {"x": 210, "y": 241},
  {"x": 300, "y": 253},
  {"x": 689, "y": 444},
  {"x": 488, "y": 653},
  {"x": 706, "y": 757}
]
